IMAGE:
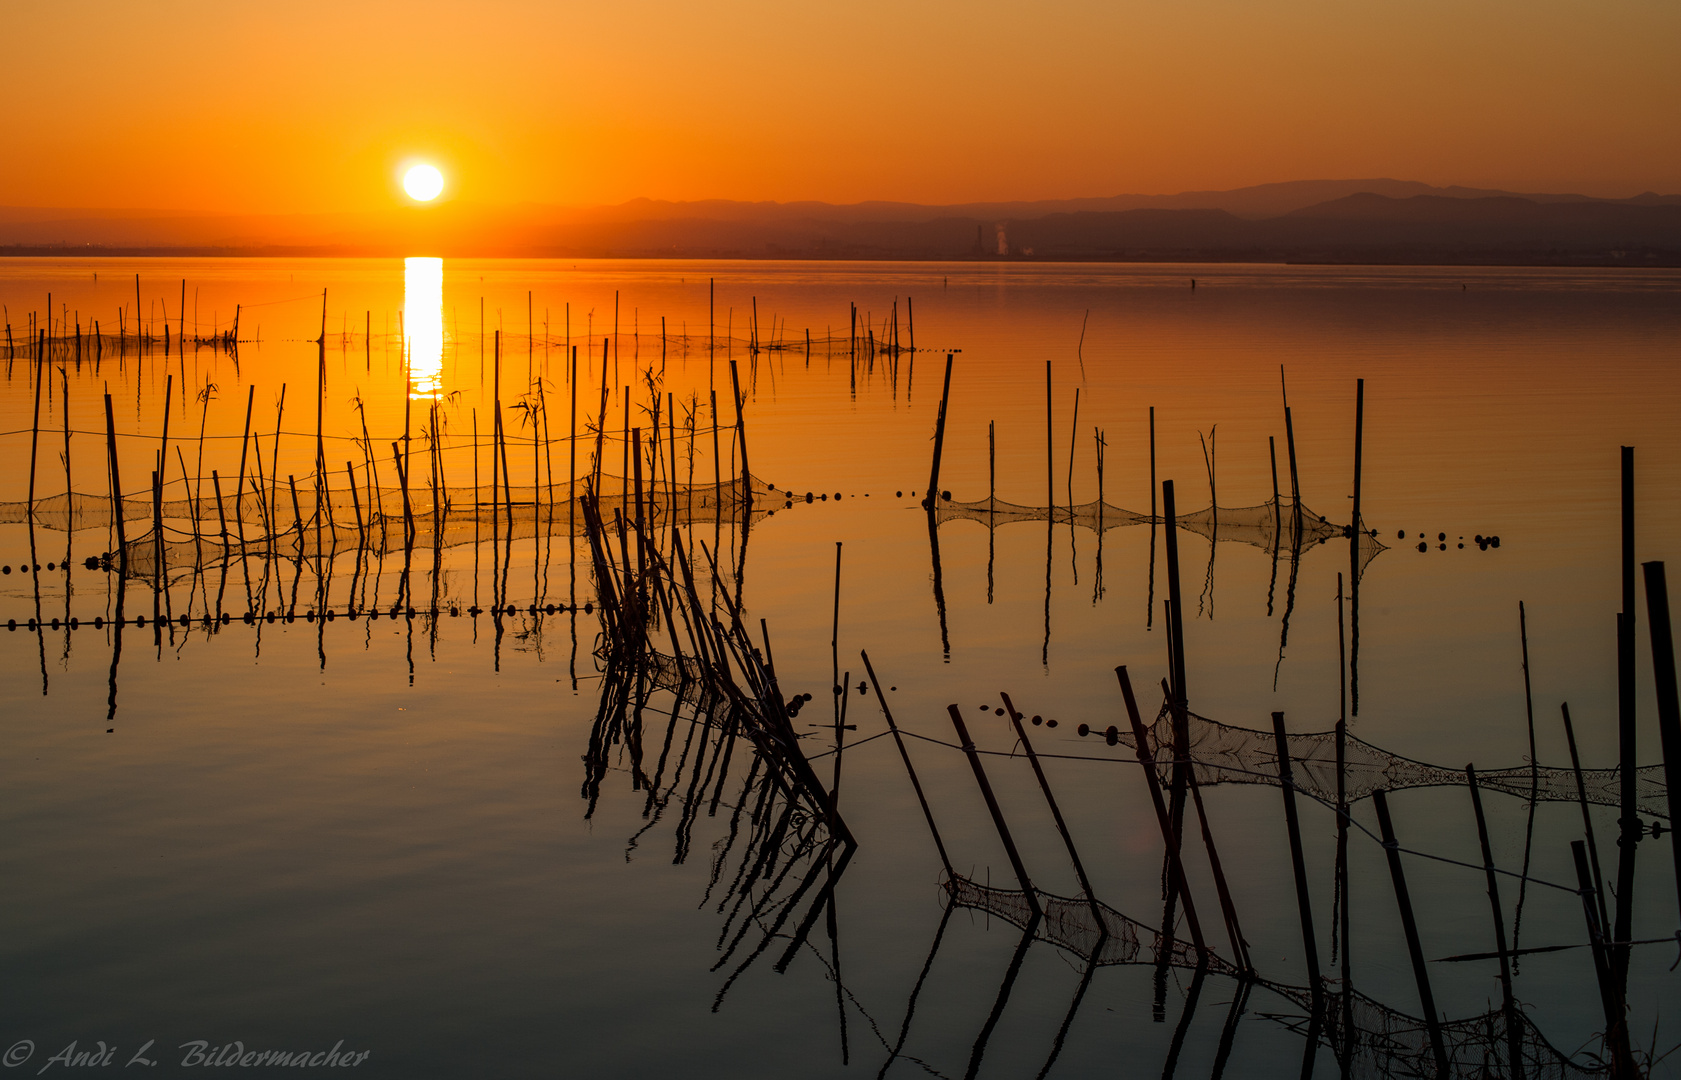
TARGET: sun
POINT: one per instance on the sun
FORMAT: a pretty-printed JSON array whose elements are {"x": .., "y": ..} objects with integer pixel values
[{"x": 423, "y": 183}]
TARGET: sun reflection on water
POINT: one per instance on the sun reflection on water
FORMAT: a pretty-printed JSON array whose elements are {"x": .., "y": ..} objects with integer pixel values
[{"x": 423, "y": 325}]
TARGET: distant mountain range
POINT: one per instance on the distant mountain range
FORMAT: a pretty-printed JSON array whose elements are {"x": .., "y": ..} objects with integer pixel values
[{"x": 1384, "y": 221}]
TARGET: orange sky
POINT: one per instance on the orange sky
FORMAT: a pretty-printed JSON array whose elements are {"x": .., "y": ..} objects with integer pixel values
[{"x": 309, "y": 105}]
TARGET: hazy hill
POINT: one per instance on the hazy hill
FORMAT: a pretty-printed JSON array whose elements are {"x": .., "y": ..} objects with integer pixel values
[{"x": 1308, "y": 220}]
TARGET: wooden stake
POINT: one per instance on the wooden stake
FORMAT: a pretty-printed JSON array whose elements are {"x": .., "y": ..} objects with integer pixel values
[
  {"x": 116, "y": 483},
  {"x": 1421, "y": 974},
  {"x": 1304, "y": 900},
  {"x": 1587, "y": 819},
  {"x": 1669, "y": 703},
  {"x": 998, "y": 822},
  {"x": 1629, "y": 818},
  {"x": 1514, "y": 1030},
  {"x": 939, "y": 442},
  {"x": 1176, "y": 866},
  {"x": 909, "y": 768}
]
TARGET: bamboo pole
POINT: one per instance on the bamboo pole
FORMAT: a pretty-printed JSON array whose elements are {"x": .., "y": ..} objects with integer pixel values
[
  {"x": 1421, "y": 974},
  {"x": 356, "y": 502},
  {"x": 1616, "y": 1028},
  {"x": 1304, "y": 900},
  {"x": 998, "y": 822},
  {"x": 1629, "y": 818},
  {"x": 1176, "y": 867},
  {"x": 1514, "y": 1031},
  {"x": 35, "y": 423},
  {"x": 932, "y": 500},
  {"x": 910, "y": 770},
  {"x": 244, "y": 441},
  {"x": 1669, "y": 703},
  {"x": 1587, "y": 818},
  {"x": 116, "y": 484}
]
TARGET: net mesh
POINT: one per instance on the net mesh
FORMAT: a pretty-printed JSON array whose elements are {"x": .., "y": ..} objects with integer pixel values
[
  {"x": 1224, "y": 754},
  {"x": 1269, "y": 526},
  {"x": 192, "y": 528},
  {"x": 1382, "y": 1042}
]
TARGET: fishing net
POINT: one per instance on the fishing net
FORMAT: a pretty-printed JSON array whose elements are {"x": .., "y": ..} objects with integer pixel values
[
  {"x": 1224, "y": 754},
  {"x": 193, "y": 529},
  {"x": 1384, "y": 1041},
  {"x": 1271, "y": 526}
]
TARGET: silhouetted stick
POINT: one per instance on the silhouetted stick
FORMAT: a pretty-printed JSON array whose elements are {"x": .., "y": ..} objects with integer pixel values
[
  {"x": 1629, "y": 818},
  {"x": 910, "y": 770},
  {"x": 1295, "y": 483},
  {"x": 1587, "y": 819},
  {"x": 356, "y": 502},
  {"x": 1514, "y": 1032},
  {"x": 244, "y": 441},
  {"x": 1176, "y": 868},
  {"x": 1345, "y": 922},
  {"x": 1176, "y": 632},
  {"x": 939, "y": 441},
  {"x": 116, "y": 485},
  {"x": 741, "y": 436},
  {"x": 1355, "y": 529},
  {"x": 1150, "y": 598},
  {"x": 1228, "y": 909},
  {"x": 1669, "y": 704},
  {"x": 1616, "y": 1029},
  {"x": 35, "y": 423},
  {"x": 1421, "y": 975},
  {"x": 1056, "y": 813},
  {"x": 1304, "y": 900},
  {"x": 998, "y": 822},
  {"x": 221, "y": 517}
]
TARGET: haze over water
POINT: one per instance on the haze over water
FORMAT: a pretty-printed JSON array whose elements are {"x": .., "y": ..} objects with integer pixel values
[{"x": 297, "y": 833}]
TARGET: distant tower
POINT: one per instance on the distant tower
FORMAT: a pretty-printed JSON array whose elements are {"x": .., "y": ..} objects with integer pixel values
[{"x": 1003, "y": 241}]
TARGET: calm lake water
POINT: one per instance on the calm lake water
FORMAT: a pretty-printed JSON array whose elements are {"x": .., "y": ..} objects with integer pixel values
[{"x": 374, "y": 831}]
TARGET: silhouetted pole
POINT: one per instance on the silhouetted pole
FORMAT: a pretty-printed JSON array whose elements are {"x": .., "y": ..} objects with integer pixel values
[
  {"x": 1616, "y": 1027},
  {"x": 1354, "y": 531},
  {"x": 1629, "y": 817},
  {"x": 998, "y": 822},
  {"x": 1409, "y": 926},
  {"x": 741, "y": 435},
  {"x": 939, "y": 441},
  {"x": 1587, "y": 817},
  {"x": 910, "y": 770},
  {"x": 116, "y": 484},
  {"x": 1176, "y": 867},
  {"x": 1176, "y": 632},
  {"x": 1669, "y": 705},
  {"x": 1295, "y": 483},
  {"x": 1056, "y": 811},
  {"x": 1304, "y": 901},
  {"x": 1514, "y": 1033}
]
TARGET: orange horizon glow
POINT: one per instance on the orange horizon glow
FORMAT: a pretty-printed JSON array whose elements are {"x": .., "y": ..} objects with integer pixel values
[{"x": 314, "y": 108}]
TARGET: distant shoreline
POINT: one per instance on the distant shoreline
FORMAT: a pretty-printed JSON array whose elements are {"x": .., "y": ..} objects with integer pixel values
[{"x": 1632, "y": 261}]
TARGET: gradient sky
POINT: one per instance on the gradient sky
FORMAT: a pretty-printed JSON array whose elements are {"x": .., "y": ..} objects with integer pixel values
[{"x": 310, "y": 105}]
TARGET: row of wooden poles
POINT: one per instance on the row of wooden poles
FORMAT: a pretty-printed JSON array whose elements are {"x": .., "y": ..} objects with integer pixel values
[
  {"x": 42, "y": 336},
  {"x": 934, "y": 494},
  {"x": 266, "y": 493}
]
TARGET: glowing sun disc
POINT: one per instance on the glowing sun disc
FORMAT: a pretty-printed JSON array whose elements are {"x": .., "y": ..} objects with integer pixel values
[{"x": 423, "y": 183}]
